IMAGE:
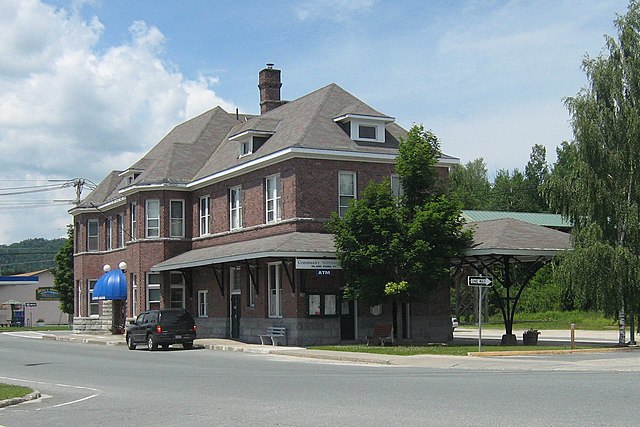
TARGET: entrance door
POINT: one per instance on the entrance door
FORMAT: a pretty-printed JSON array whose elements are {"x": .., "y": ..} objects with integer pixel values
[
  {"x": 347, "y": 321},
  {"x": 235, "y": 316}
]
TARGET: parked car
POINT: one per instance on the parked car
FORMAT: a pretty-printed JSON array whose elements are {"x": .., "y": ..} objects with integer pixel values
[
  {"x": 162, "y": 327},
  {"x": 454, "y": 322}
]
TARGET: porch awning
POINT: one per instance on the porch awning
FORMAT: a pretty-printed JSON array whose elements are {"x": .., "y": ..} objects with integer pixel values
[
  {"x": 290, "y": 245},
  {"x": 111, "y": 286}
]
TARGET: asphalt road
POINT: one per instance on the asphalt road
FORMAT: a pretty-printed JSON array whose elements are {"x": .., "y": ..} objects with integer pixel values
[{"x": 100, "y": 385}]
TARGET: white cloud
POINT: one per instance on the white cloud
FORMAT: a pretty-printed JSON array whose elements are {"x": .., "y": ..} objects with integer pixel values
[{"x": 69, "y": 110}]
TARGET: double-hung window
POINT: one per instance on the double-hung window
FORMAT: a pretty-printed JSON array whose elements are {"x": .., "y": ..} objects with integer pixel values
[
  {"x": 177, "y": 290},
  {"x": 396, "y": 186},
  {"x": 153, "y": 291},
  {"x": 203, "y": 302},
  {"x": 235, "y": 208},
  {"x": 92, "y": 235},
  {"x": 152, "y": 217},
  {"x": 94, "y": 305},
  {"x": 275, "y": 289},
  {"x": 346, "y": 190},
  {"x": 134, "y": 295},
  {"x": 273, "y": 199},
  {"x": 176, "y": 217},
  {"x": 120, "y": 225},
  {"x": 205, "y": 215},
  {"x": 134, "y": 220},
  {"x": 108, "y": 234}
]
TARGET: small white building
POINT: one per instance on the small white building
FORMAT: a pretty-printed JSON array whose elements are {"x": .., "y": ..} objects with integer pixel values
[{"x": 37, "y": 298}]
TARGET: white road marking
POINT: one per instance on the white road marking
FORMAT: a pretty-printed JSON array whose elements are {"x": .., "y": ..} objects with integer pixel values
[
  {"x": 97, "y": 392},
  {"x": 25, "y": 334}
]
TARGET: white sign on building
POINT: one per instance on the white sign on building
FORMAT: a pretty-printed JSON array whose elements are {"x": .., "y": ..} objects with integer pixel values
[{"x": 317, "y": 264}]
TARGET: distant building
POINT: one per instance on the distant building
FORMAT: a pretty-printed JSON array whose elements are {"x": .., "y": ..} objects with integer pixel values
[
  {"x": 226, "y": 216},
  {"x": 36, "y": 298}
]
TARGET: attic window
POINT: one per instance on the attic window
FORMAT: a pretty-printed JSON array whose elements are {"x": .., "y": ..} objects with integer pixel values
[
  {"x": 250, "y": 141},
  {"x": 364, "y": 128},
  {"x": 246, "y": 147},
  {"x": 366, "y": 132}
]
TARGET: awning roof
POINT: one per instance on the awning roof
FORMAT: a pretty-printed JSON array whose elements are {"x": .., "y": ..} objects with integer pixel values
[
  {"x": 302, "y": 245},
  {"x": 111, "y": 286}
]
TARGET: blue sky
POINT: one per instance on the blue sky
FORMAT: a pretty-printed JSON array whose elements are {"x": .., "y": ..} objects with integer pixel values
[{"x": 88, "y": 86}]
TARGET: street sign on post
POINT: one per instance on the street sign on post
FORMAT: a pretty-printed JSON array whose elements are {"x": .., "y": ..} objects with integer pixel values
[
  {"x": 480, "y": 282},
  {"x": 31, "y": 304},
  {"x": 484, "y": 281}
]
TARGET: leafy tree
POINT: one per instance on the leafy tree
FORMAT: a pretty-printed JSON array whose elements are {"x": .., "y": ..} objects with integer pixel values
[
  {"x": 595, "y": 182},
  {"x": 509, "y": 192},
  {"x": 470, "y": 184},
  {"x": 63, "y": 274},
  {"x": 398, "y": 248}
]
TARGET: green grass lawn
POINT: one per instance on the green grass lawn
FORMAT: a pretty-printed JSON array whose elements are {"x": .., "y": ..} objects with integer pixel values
[
  {"x": 437, "y": 349},
  {"x": 562, "y": 320},
  {"x": 8, "y": 391}
]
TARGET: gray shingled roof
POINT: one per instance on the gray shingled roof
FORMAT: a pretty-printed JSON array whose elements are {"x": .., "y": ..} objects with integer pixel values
[
  {"x": 201, "y": 147},
  {"x": 314, "y": 245},
  {"x": 508, "y": 236}
]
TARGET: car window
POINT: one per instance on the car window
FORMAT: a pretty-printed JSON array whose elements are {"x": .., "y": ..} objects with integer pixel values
[
  {"x": 140, "y": 318},
  {"x": 176, "y": 316}
]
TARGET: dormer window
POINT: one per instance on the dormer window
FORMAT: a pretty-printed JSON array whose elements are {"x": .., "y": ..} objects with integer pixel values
[
  {"x": 130, "y": 175},
  {"x": 364, "y": 128},
  {"x": 250, "y": 141}
]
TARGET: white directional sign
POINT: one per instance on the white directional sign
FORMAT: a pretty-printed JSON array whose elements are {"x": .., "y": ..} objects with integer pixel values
[{"x": 482, "y": 281}]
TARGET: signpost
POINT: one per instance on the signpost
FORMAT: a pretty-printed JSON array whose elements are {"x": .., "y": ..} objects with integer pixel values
[{"x": 480, "y": 282}]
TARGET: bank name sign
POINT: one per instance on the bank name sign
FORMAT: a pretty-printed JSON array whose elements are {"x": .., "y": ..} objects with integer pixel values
[{"x": 317, "y": 264}]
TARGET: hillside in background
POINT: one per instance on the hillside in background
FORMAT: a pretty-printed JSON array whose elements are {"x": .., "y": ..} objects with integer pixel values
[{"x": 28, "y": 255}]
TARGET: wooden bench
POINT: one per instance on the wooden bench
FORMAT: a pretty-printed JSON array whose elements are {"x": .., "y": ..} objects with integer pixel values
[
  {"x": 381, "y": 334},
  {"x": 275, "y": 333}
]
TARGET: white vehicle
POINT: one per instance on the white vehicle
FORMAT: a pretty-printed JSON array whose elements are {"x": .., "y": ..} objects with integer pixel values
[{"x": 454, "y": 322}]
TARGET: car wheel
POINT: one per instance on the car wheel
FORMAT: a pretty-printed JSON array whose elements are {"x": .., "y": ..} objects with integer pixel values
[
  {"x": 187, "y": 345},
  {"x": 152, "y": 345},
  {"x": 130, "y": 343}
]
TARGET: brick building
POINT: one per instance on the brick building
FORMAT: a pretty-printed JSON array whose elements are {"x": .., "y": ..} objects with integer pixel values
[{"x": 225, "y": 217}]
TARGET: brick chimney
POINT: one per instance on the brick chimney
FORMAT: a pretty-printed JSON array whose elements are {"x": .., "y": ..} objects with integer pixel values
[{"x": 269, "y": 84}]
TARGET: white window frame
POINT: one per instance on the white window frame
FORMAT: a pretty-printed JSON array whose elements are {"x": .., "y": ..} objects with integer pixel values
[
  {"x": 92, "y": 305},
  {"x": 176, "y": 221},
  {"x": 396, "y": 185},
  {"x": 203, "y": 303},
  {"x": 345, "y": 198},
  {"x": 176, "y": 281},
  {"x": 379, "y": 130},
  {"x": 273, "y": 198},
  {"x": 152, "y": 231},
  {"x": 134, "y": 295},
  {"x": 153, "y": 286},
  {"x": 108, "y": 232},
  {"x": 235, "y": 209},
  {"x": 134, "y": 220},
  {"x": 245, "y": 147},
  {"x": 274, "y": 285},
  {"x": 93, "y": 240},
  {"x": 204, "y": 209},
  {"x": 120, "y": 229}
]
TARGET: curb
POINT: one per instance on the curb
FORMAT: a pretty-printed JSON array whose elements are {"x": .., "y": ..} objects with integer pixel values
[
  {"x": 17, "y": 400},
  {"x": 559, "y": 351}
]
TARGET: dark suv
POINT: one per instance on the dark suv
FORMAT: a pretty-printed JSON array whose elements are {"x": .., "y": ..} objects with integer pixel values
[{"x": 162, "y": 327}]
